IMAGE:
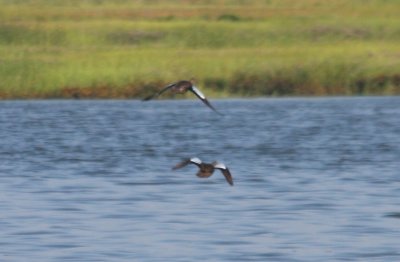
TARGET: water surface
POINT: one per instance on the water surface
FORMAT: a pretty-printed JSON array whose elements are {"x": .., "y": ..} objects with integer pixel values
[{"x": 315, "y": 180}]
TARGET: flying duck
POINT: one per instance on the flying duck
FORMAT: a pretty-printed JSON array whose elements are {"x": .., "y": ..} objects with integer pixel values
[
  {"x": 182, "y": 87},
  {"x": 206, "y": 170}
]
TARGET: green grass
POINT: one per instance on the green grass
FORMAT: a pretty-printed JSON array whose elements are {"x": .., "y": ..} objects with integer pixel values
[{"x": 127, "y": 49}]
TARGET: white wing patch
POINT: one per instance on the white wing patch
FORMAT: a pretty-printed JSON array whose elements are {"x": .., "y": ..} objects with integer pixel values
[
  {"x": 220, "y": 165},
  {"x": 198, "y": 92},
  {"x": 195, "y": 160}
]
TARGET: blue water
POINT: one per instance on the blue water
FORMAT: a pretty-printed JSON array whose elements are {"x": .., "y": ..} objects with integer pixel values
[{"x": 316, "y": 179}]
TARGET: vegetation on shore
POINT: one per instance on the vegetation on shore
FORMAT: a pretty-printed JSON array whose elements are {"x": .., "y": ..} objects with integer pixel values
[{"x": 128, "y": 49}]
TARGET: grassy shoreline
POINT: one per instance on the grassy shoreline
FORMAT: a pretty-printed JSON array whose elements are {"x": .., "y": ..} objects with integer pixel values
[{"x": 126, "y": 49}]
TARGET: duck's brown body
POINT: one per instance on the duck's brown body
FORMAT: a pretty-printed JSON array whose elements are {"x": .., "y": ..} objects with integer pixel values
[
  {"x": 205, "y": 169},
  {"x": 181, "y": 87}
]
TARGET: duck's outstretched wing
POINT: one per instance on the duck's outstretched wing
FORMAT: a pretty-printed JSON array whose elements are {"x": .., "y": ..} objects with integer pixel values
[
  {"x": 159, "y": 92},
  {"x": 225, "y": 171},
  {"x": 203, "y": 98},
  {"x": 185, "y": 162}
]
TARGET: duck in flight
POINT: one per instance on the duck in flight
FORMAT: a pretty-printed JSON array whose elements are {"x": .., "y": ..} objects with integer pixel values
[
  {"x": 182, "y": 87},
  {"x": 206, "y": 170}
]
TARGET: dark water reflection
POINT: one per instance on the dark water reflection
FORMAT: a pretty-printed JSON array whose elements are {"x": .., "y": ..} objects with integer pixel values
[{"x": 315, "y": 180}]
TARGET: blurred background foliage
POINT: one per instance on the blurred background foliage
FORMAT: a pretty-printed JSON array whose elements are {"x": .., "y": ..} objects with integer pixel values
[{"x": 128, "y": 49}]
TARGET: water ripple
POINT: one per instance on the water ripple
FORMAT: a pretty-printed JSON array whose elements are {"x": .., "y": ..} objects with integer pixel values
[{"x": 315, "y": 180}]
